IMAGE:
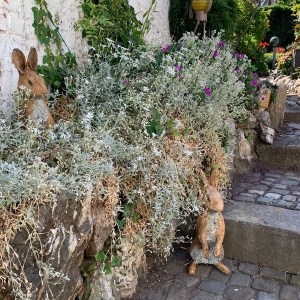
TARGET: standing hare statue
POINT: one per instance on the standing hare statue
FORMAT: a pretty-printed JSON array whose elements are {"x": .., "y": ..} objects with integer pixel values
[
  {"x": 36, "y": 108},
  {"x": 207, "y": 247}
]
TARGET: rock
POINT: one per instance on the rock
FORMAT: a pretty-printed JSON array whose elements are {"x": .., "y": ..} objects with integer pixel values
[
  {"x": 51, "y": 254},
  {"x": 123, "y": 280},
  {"x": 277, "y": 109},
  {"x": 244, "y": 151},
  {"x": 103, "y": 215},
  {"x": 133, "y": 260},
  {"x": 263, "y": 116},
  {"x": 267, "y": 134},
  {"x": 265, "y": 97},
  {"x": 100, "y": 286}
]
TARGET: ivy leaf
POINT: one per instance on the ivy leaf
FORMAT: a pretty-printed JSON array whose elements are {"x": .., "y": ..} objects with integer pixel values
[
  {"x": 159, "y": 129},
  {"x": 107, "y": 270},
  {"x": 127, "y": 211},
  {"x": 100, "y": 256},
  {"x": 135, "y": 217},
  {"x": 38, "y": 14},
  {"x": 156, "y": 114},
  {"x": 121, "y": 223},
  {"x": 116, "y": 261},
  {"x": 176, "y": 133}
]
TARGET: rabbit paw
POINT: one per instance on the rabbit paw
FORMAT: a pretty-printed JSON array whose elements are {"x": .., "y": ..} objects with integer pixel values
[
  {"x": 192, "y": 268},
  {"x": 205, "y": 252},
  {"x": 218, "y": 251}
]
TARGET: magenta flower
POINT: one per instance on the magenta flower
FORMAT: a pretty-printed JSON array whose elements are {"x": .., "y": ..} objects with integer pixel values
[
  {"x": 178, "y": 67},
  {"x": 242, "y": 55},
  {"x": 262, "y": 98},
  {"x": 166, "y": 48},
  {"x": 180, "y": 77},
  {"x": 221, "y": 44},
  {"x": 207, "y": 91},
  {"x": 253, "y": 82},
  {"x": 236, "y": 54},
  {"x": 216, "y": 53},
  {"x": 126, "y": 81}
]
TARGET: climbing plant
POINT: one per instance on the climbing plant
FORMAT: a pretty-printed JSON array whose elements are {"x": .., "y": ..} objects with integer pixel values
[
  {"x": 56, "y": 61},
  {"x": 115, "y": 20}
]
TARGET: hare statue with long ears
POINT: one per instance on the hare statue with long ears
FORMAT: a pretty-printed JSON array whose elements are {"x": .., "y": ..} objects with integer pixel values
[
  {"x": 207, "y": 246},
  {"x": 36, "y": 108}
]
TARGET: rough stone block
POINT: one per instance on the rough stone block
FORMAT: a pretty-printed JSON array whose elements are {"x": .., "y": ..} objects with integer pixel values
[
  {"x": 212, "y": 286},
  {"x": 217, "y": 275},
  {"x": 265, "y": 285},
  {"x": 238, "y": 293},
  {"x": 264, "y": 200},
  {"x": 248, "y": 268},
  {"x": 289, "y": 293},
  {"x": 186, "y": 280},
  {"x": 263, "y": 235},
  {"x": 273, "y": 274},
  {"x": 295, "y": 280},
  {"x": 277, "y": 109},
  {"x": 176, "y": 292},
  {"x": 240, "y": 280},
  {"x": 267, "y": 296}
]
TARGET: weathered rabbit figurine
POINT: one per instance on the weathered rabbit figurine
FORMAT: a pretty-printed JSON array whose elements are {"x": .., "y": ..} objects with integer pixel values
[
  {"x": 36, "y": 108},
  {"x": 207, "y": 247}
]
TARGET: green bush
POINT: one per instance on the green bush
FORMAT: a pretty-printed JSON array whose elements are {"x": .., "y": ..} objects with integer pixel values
[{"x": 281, "y": 24}]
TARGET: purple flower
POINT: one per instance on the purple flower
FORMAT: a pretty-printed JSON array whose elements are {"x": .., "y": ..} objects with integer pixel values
[
  {"x": 262, "y": 98},
  {"x": 221, "y": 44},
  {"x": 180, "y": 77},
  {"x": 166, "y": 48},
  {"x": 254, "y": 75},
  {"x": 258, "y": 86},
  {"x": 242, "y": 55},
  {"x": 236, "y": 54},
  {"x": 216, "y": 53},
  {"x": 178, "y": 67},
  {"x": 126, "y": 81},
  {"x": 207, "y": 91},
  {"x": 253, "y": 82}
]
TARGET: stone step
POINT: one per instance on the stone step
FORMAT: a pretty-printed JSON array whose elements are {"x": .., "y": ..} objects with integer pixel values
[
  {"x": 284, "y": 153},
  {"x": 292, "y": 111},
  {"x": 263, "y": 235},
  {"x": 262, "y": 219}
]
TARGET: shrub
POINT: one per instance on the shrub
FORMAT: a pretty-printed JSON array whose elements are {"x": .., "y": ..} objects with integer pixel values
[{"x": 149, "y": 117}]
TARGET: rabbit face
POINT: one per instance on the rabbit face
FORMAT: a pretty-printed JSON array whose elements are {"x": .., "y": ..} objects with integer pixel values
[
  {"x": 33, "y": 82},
  {"x": 214, "y": 202},
  {"x": 27, "y": 72}
]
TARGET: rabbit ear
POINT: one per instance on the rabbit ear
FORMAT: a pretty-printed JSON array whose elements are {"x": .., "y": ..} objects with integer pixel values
[
  {"x": 204, "y": 178},
  {"x": 32, "y": 59},
  {"x": 18, "y": 59},
  {"x": 213, "y": 176}
]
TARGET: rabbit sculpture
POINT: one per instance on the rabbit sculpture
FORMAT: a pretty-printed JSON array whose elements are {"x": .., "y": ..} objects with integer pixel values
[
  {"x": 36, "y": 108},
  {"x": 207, "y": 246}
]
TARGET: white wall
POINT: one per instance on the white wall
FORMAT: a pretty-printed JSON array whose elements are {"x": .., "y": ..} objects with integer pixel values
[{"x": 16, "y": 31}]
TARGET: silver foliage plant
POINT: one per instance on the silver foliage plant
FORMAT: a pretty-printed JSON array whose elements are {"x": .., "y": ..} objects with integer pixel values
[{"x": 152, "y": 117}]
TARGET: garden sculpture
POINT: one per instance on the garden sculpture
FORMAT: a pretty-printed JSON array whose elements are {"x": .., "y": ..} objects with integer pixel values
[
  {"x": 36, "y": 107},
  {"x": 207, "y": 247}
]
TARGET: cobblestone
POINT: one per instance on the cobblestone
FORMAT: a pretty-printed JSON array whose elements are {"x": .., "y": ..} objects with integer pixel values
[
  {"x": 273, "y": 274},
  {"x": 275, "y": 188},
  {"x": 246, "y": 281}
]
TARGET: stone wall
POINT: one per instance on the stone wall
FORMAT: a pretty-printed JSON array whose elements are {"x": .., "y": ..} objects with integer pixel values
[{"x": 16, "y": 31}]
